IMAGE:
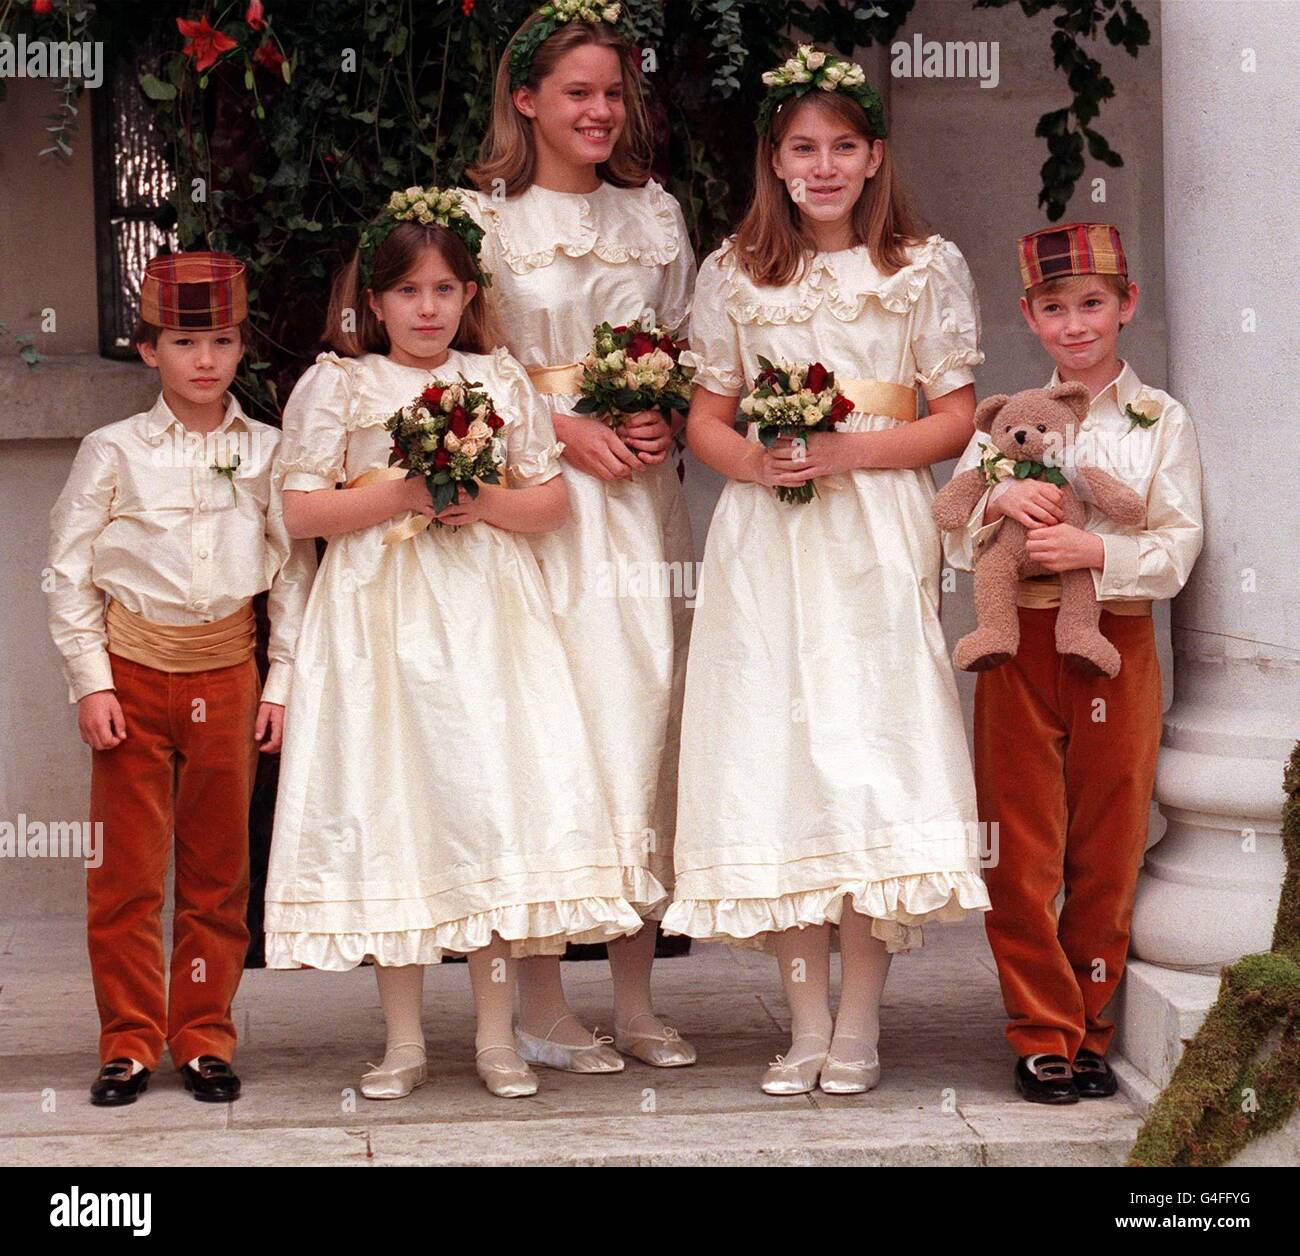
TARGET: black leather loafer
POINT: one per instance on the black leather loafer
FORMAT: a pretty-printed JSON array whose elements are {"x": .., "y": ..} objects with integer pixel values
[
  {"x": 1049, "y": 1081},
  {"x": 214, "y": 1081},
  {"x": 117, "y": 1085},
  {"x": 1093, "y": 1077}
]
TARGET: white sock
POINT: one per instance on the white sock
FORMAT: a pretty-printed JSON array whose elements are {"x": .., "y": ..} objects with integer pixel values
[
  {"x": 1031, "y": 1060},
  {"x": 194, "y": 1063},
  {"x": 136, "y": 1067}
]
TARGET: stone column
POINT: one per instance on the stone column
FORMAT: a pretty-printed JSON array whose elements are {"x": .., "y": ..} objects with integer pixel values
[{"x": 1209, "y": 891}]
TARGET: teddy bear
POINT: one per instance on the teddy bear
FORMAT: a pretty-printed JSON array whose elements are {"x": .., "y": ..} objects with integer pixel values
[{"x": 1032, "y": 429}]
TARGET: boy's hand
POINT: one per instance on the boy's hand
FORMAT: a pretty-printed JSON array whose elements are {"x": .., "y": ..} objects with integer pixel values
[
  {"x": 100, "y": 720},
  {"x": 1033, "y": 503},
  {"x": 268, "y": 732},
  {"x": 1065, "y": 547}
]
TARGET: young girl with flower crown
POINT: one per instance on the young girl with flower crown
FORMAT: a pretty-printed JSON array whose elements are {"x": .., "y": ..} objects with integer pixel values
[
  {"x": 577, "y": 235},
  {"x": 825, "y": 780},
  {"x": 437, "y": 790}
]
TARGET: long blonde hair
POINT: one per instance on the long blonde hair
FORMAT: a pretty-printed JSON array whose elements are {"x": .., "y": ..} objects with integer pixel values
[
  {"x": 508, "y": 152},
  {"x": 772, "y": 244}
]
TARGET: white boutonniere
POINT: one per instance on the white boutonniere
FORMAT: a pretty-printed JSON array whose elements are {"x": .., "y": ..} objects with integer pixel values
[
  {"x": 1143, "y": 411},
  {"x": 228, "y": 469}
]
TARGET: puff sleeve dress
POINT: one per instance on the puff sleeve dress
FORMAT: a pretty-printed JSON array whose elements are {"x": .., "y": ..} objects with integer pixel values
[
  {"x": 436, "y": 782},
  {"x": 561, "y": 263},
  {"x": 823, "y": 752}
]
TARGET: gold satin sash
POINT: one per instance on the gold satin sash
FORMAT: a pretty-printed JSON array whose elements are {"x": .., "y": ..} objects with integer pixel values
[
  {"x": 414, "y": 525},
  {"x": 181, "y": 647},
  {"x": 876, "y": 396},
  {"x": 565, "y": 380},
  {"x": 1040, "y": 593}
]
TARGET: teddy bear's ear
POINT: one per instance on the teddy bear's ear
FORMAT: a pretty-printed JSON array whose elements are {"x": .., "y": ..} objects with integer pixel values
[
  {"x": 987, "y": 411},
  {"x": 1075, "y": 394}
]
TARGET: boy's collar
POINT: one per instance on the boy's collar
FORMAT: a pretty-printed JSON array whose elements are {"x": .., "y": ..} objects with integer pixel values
[
  {"x": 1126, "y": 385},
  {"x": 160, "y": 417}
]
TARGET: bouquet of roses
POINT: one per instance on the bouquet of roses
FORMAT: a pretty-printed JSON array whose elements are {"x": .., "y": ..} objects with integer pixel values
[
  {"x": 793, "y": 401},
  {"x": 633, "y": 368},
  {"x": 448, "y": 435}
]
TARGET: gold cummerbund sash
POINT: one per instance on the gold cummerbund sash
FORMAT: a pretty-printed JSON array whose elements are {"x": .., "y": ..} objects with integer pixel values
[
  {"x": 876, "y": 396},
  {"x": 565, "y": 380},
  {"x": 414, "y": 525},
  {"x": 1040, "y": 593},
  {"x": 870, "y": 396},
  {"x": 181, "y": 647}
]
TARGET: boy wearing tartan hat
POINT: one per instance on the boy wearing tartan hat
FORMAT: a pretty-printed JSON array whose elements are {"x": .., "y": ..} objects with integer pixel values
[
  {"x": 1065, "y": 762},
  {"x": 169, "y": 525}
]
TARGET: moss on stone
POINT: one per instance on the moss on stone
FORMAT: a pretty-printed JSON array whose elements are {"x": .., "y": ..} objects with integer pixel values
[{"x": 1240, "y": 1075}]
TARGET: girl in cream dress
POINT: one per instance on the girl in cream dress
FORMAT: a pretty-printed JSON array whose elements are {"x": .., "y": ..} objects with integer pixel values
[
  {"x": 438, "y": 790},
  {"x": 576, "y": 235},
  {"x": 825, "y": 780}
]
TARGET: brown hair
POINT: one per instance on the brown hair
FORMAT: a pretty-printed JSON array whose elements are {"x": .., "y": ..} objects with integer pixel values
[
  {"x": 393, "y": 260},
  {"x": 772, "y": 244},
  {"x": 508, "y": 152},
  {"x": 148, "y": 334},
  {"x": 1118, "y": 284}
]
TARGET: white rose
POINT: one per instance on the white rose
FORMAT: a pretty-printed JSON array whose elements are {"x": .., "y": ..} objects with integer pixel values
[
  {"x": 452, "y": 442},
  {"x": 479, "y": 431},
  {"x": 812, "y": 415},
  {"x": 815, "y": 59}
]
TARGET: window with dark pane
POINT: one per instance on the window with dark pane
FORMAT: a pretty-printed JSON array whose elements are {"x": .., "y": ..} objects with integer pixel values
[{"x": 133, "y": 181}]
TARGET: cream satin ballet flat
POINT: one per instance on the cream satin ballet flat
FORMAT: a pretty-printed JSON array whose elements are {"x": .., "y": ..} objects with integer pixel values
[
  {"x": 594, "y": 1057},
  {"x": 506, "y": 1081},
  {"x": 664, "y": 1050},
  {"x": 850, "y": 1077},
  {"x": 394, "y": 1083},
  {"x": 795, "y": 1076}
]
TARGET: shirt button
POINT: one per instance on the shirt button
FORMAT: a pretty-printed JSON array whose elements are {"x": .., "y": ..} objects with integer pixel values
[{"x": 203, "y": 553}]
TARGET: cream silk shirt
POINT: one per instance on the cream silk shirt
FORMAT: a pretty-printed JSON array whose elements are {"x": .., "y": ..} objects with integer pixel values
[
  {"x": 1161, "y": 463},
  {"x": 146, "y": 519}
]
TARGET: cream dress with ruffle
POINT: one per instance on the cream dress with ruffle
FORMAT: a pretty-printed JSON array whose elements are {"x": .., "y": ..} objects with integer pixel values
[
  {"x": 437, "y": 784},
  {"x": 822, "y": 744},
  {"x": 617, "y": 572}
]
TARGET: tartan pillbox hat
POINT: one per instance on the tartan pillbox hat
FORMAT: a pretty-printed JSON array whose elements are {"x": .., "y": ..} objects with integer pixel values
[
  {"x": 1074, "y": 248},
  {"x": 193, "y": 291}
]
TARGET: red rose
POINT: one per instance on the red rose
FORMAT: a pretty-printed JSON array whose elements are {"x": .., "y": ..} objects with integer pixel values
[
  {"x": 618, "y": 331},
  {"x": 816, "y": 378},
  {"x": 256, "y": 15},
  {"x": 666, "y": 344},
  {"x": 495, "y": 421},
  {"x": 205, "y": 44},
  {"x": 441, "y": 458},
  {"x": 841, "y": 408},
  {"x": 432, "y": 395},
  {"x": 42, "y": 6},
  {"x": 460, "y": 422},
  {"x": 467, "y": 7},
  {"x": 269, "y": 57},
  {"x": 640, "y": 344}
]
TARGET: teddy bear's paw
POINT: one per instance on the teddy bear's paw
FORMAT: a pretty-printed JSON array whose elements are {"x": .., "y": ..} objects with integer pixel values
[
  {"x": 980, "y": 651},
  {"x": 1098, "y": 658}
]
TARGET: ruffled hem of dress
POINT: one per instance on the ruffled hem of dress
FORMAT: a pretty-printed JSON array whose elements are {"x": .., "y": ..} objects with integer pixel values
[
  {"x": 898, "y": 906},
  {"x": 585, "y": 237},
  {"x": 820, "y": 283},
  {"x": 530, "y": 928}
]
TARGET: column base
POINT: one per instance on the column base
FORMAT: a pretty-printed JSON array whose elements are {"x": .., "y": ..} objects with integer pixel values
[{"x": 1159, "y": 1011}]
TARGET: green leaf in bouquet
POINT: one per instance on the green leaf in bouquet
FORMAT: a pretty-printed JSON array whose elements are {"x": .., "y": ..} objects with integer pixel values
[
  {"x": 588, "y": 405},
  {"x": 442, "y": 477},
  {"x": 471, "y": 487}
]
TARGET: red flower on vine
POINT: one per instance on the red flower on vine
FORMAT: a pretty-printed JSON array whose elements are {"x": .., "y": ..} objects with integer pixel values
[
  {"x": 256, "y": 15},
  {"x": 205, "y": 44},
  {"x": 467, "y": 7},
  {"x": 269, "y": 57},
  {"x": 42, "y": 6}
]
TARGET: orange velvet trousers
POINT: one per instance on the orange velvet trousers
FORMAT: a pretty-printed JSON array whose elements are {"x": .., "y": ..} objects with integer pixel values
[
  {"x": 1065, "y": 765},
  {"x": 185, "y": 768}
]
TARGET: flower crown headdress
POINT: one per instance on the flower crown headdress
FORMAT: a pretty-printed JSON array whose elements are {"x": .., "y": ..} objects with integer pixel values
[
  {"x": 431, "y": 206},
  {"x": 813, "y": 68},
  {"x": 550, "y": 17}
]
